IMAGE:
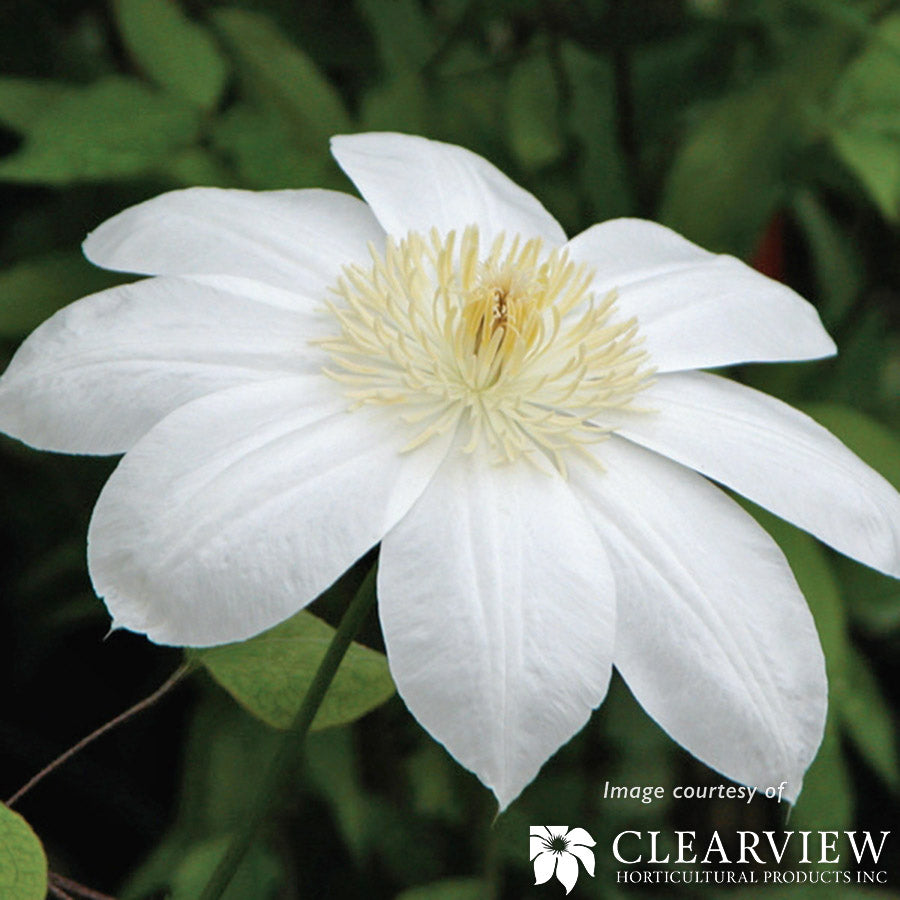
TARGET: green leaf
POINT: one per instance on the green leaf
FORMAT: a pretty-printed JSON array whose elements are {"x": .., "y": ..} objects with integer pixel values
[
  {"x": 533, "y": 112},
  {"x": 226, "y": 756},
  {"x": 269, "y": 674},
  {"x": 402, "y": 843},
  {"x": 873, "y": 598},
  {"x": 731, "y": 172},
  {"x": 875, "y": 159},
  {"x": 402, "y": 104},
  {"x": 281, "y": 77},
  {"x": 23, "y": 865},
  {"x": 468, "y": 100},
  {"x": 114, "y": 128},
  {"x": 837, "y": 263},
  {"x": 402, "y": 32},
  {"x": 663, "y": 75},
  {"x": 34, "y": 289},
  {"x": 860, "y": 375},
  {"x": 260, "y": 147},
  {"x": 24, "y": 100},
  {"x": 195, "y": 166},
  {"x": 868, "y": 439},
  {"x": 592, "y": 120},
  {"x": 817, "y": 582},
  {"x": 179, "y": 55},
  {"x": 434, "y": 788},
  {"x": 639, "y": 745},
  {"x": 827, "y": 795},
  {"x": 727, "y": 176},
  {"x": 332, "y": 770},
  {"x": 451, "y": 889},
  {"x": 259, "y": 876},
  {"x": 179, "y": 869},
  {"x": 865, "y": 112},
  {"x": 866, "y": 718},
  {"x": 871, "y": 83}
]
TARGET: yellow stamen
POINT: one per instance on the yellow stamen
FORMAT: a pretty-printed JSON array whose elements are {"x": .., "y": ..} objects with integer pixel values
[{"x": 512, "y": 346}]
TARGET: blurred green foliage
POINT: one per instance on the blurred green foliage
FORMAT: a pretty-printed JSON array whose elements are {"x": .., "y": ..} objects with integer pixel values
[{"x": 765, "y": 128}]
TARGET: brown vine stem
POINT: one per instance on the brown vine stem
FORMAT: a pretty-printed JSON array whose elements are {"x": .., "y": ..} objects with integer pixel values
[
  {"x": 57, "y": 884},
  {"x": 140, "y": 706}
]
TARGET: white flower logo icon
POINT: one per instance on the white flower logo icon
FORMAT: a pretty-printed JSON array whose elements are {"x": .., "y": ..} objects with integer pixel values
[{"x": 556, "y": 850}]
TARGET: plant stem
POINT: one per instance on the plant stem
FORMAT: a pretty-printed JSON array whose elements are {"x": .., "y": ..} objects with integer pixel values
[
  {"x": 62, "y": 884},
  {"x": 141, "y": 705},
  {"x": 287, "y": 750}
]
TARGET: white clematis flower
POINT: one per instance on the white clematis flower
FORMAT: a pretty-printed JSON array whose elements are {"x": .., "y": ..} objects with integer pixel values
[{"x": 516, "y": 417}]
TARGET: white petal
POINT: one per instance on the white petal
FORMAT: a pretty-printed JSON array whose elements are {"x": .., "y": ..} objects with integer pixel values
[
  {"x": 714, "y": 637},
  {"x": 777, "y": 457},
  {"x": 544, "y": 866},
  {"x": 497, "y": 608},
  {"x": 567, "y": 871},
  {"x": 580, "y": 836},
  {"x": 536, "y": 844},
  {"x": 101, "y": 372},
  {"x": 696, "y": 309},
  {"x": 296, "y": 240},
  {"x": 414, "y": 184},
  {"x": 241, "y": 507},
  {"x": 585, "y": 855}
]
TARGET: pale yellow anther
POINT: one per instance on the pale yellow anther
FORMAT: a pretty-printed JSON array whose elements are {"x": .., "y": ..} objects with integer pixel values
[{"x": 511, "y": 345}]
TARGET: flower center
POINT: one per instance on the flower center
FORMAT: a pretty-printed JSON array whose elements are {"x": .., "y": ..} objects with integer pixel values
[
  {"x": 558, "y": 844},
  {"x": 511, "y": 346}
]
